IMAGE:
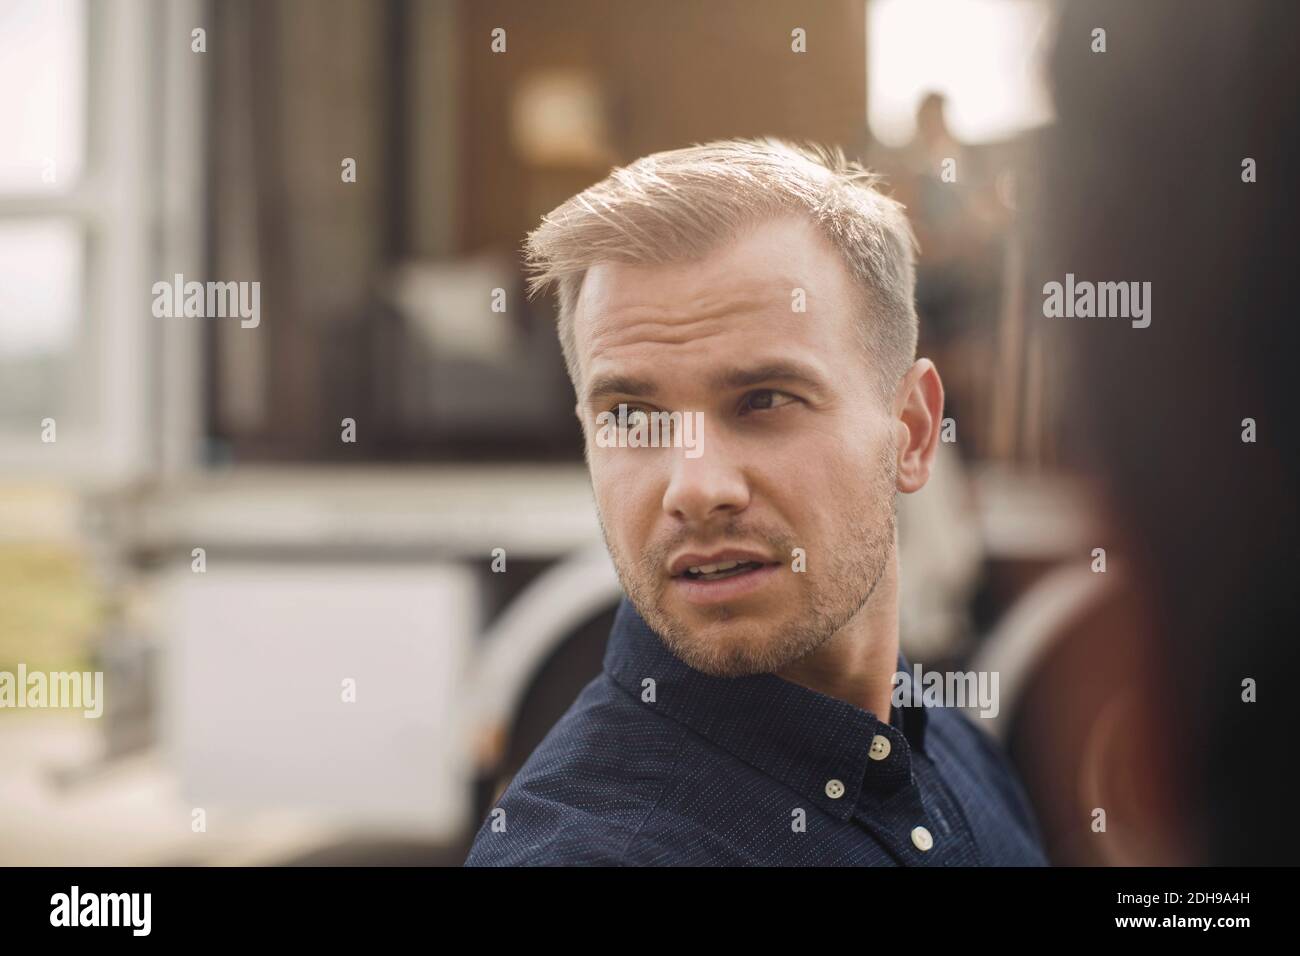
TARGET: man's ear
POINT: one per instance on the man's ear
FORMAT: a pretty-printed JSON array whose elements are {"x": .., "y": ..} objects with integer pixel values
[{"x": 918, "y": 412}]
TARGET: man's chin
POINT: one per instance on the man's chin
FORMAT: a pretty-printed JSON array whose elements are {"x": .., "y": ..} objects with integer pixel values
[
  {"x": 742, "y": 621},
  {"x": 730, "y": 644}
]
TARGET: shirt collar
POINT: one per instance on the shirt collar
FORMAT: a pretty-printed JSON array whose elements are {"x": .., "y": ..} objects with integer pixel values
[{"x": 801, "y": 737}]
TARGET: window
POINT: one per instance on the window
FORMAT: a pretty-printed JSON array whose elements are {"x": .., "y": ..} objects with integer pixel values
[
  {"x": 42, "y": 238},
  {"x": 98, "y": 198}
]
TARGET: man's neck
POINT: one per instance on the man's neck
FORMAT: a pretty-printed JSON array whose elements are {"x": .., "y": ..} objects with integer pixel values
[{"x": 858, "y": 663}]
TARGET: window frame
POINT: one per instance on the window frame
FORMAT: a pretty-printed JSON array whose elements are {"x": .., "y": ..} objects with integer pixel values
[{"x": 135, "y": 407}]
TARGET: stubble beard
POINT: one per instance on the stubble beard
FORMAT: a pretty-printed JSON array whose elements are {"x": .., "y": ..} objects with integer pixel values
[{"x": 840, "y": 579}]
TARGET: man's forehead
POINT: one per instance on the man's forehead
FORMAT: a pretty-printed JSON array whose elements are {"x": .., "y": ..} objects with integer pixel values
[
  {"x": 780, "y": 252},
  {"x": 764, "y": 270},
  {"x": 780, "y": 282},
  {"x": 691, "y": 289},
  {"x": 686, "y": 325}
]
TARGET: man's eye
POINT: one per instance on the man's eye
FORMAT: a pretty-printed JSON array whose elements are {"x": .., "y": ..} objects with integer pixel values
[
  {"x": 634, "y": 417},
  {"x": 765, "y": 399}
]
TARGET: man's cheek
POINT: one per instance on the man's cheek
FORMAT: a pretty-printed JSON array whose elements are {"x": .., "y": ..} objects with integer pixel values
[
  {"x": 615, "y": 469},
  {"x": 625, "y": 497},
  {"x": 609, "y": 487}
]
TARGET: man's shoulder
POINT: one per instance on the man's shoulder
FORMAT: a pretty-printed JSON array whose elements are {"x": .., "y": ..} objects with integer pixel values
[
  {"x": 972, "y": 743},
  {"x": 583, "y": 794},
  {"x": 985, "y": 758}
]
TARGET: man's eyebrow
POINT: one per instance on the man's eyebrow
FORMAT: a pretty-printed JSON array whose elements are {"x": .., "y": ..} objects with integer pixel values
[
  {"x": 604, "y": 385},
  {"x": 778, "y": 370},
  {"x": 782, "y": 370}
]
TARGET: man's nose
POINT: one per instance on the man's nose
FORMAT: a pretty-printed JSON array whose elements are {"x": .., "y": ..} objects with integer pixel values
[{"x": 705, "y": 488}]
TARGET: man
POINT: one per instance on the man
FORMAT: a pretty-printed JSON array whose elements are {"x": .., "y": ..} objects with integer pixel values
[{"x": 744, "y": 714}]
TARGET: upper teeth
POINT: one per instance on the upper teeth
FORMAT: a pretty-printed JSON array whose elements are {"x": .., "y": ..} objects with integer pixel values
[{"x": 710, "y": 568}]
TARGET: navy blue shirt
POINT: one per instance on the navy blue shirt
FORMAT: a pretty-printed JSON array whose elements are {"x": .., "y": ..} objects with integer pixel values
[{"x": 656, "y": 763}]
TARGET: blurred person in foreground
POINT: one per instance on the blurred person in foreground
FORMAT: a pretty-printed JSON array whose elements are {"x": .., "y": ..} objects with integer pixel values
[
  {"x": 747, "y": 710},
  {"x": 1168, "y": 705}
]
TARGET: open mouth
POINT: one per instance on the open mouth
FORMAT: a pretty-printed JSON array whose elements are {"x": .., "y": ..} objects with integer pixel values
[
  {"x": 721, "y": 571},
  {"x": 722, "y": 577}
]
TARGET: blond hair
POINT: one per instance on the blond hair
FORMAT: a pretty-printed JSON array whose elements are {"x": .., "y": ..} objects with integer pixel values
[{"x": 679, "y": 205}]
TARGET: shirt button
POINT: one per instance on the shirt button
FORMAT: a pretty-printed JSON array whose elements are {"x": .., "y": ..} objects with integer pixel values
[
  {"x": 879, "y": 747},
  {"x": 921, "y": 838},
  {"x": 834, "y": 789}
]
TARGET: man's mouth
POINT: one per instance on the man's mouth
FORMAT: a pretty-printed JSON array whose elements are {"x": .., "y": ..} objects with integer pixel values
[
  {"x": 704, "y": 565},
  {"x": 720, "y": 571},
  {"x": 721, "y": 577}
]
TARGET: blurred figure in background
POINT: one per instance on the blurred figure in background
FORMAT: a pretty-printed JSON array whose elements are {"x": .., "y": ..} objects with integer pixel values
[
  {"x": 1144, "y": 709},
  {"x": 950, "y": 193}
]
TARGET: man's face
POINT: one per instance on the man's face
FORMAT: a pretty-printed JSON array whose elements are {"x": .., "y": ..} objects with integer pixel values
[{"x": 798, "y": 453}]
